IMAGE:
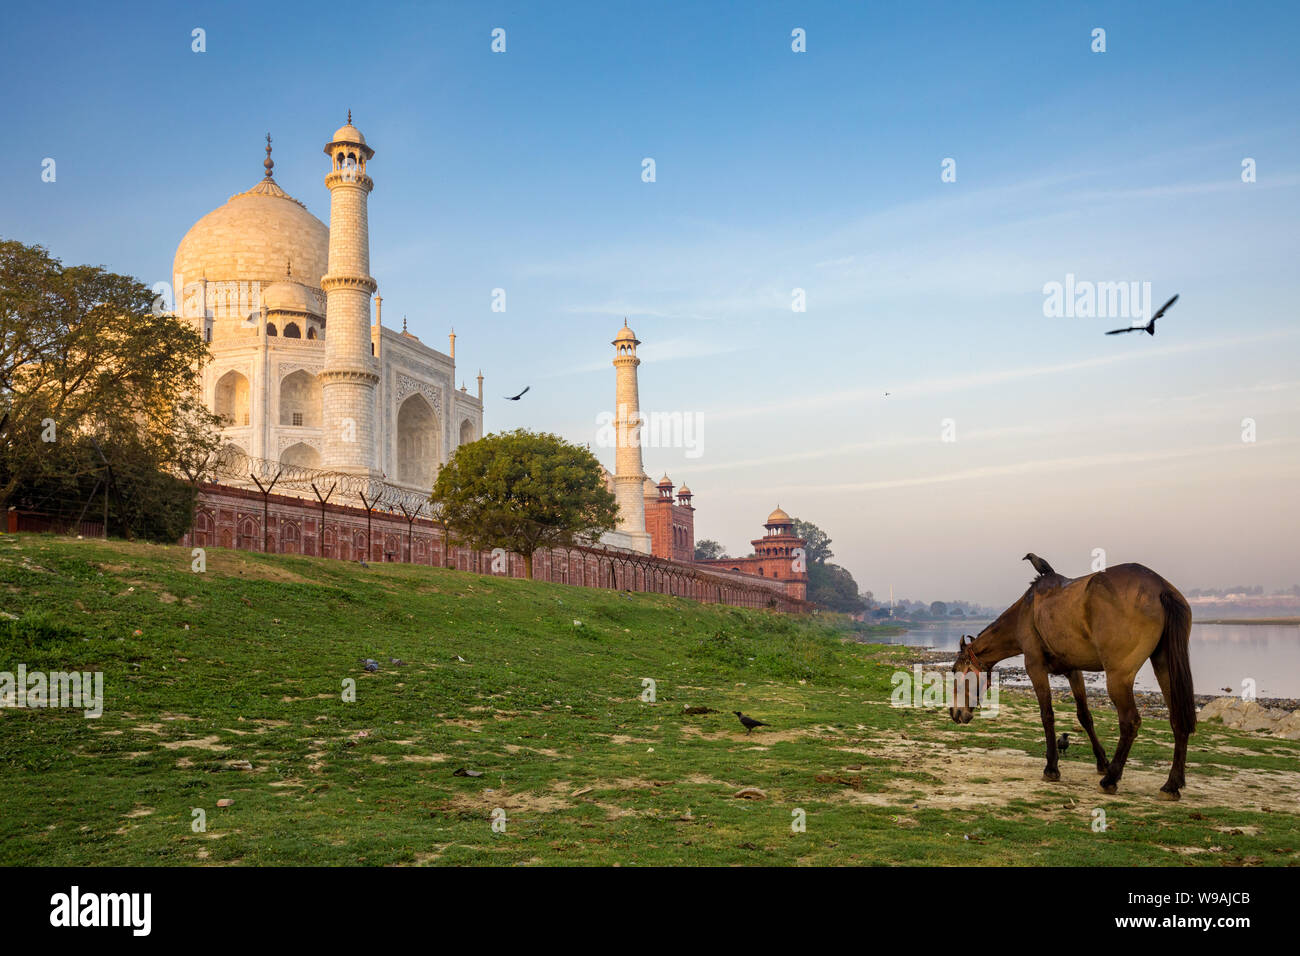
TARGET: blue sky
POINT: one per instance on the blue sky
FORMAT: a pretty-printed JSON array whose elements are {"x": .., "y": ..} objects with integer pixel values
[{"x": 775, "y": 171}]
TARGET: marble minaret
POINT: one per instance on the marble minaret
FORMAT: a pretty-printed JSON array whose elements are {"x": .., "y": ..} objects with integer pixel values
[
  {"x": 349, "y": 377},
  {"x": 629, "y": 470}
]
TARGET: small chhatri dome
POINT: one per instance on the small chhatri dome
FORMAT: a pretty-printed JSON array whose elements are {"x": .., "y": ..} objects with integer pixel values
[
  {"x": 778, "y": 517},
  {"x": 349, "y": 135},
  {"x": 289, "y": 296},
  {"x": 625, "y": 335},
  {"x": 683, "y": 492},
  {"x": 665, "y": 481}
]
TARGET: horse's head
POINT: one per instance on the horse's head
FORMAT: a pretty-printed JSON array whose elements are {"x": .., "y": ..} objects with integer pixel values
[{"x": 966, "y": 685}]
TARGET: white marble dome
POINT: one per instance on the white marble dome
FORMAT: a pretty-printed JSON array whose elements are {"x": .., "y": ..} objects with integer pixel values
[{"x": 254, "y": 237}]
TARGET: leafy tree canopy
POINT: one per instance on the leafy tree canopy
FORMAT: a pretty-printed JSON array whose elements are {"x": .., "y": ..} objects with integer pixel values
[
  {"x": 832, "y": 587},
  {"x": 523, "y": 491},
  {"x": 85, "y": 358},
  {"x": 707, "y": 549},
  {"x": 818, "y": 544}
]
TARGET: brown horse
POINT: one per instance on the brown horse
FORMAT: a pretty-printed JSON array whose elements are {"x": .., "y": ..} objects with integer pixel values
[{"x": 1112, "y": 620}]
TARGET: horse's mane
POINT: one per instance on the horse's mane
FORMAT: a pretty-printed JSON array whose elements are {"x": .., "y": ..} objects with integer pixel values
[{"x": 1054, "y": 579}]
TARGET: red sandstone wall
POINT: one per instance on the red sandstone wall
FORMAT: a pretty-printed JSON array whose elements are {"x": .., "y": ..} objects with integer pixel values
[{"x": 232, "y": 517}]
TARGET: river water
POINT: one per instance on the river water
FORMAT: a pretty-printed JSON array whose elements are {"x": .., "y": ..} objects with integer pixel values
[{"x": 1223, "y": 655}]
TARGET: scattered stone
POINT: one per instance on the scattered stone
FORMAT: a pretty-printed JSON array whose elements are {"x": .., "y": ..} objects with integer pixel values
[
  {"x": 750, "y": 793},
  {"x": 1251, "y": 715},
  {"x": 238, "y": 765},
  {"x": 225, "y": 802},
  {"x": 462, "y": 772}
]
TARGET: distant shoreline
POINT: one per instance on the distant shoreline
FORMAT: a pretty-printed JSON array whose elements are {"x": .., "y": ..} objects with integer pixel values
[{"x": 1248, "y": 620}]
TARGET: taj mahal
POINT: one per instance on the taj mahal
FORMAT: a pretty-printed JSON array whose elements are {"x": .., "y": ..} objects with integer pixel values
[
  {"x": 303, "y": 370},
  {"x": 306, "y": 378}
]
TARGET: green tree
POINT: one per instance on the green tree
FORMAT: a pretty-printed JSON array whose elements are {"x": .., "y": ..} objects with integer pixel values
[
  {"x": 85, "y": 358},
  {"x": 817, "y": 547},
  {"x": 938, "y": 608},
  {"x": 523, "y": 491},
  {"x": 832, "y": 587},
  {"x": 709, "y": 550}
]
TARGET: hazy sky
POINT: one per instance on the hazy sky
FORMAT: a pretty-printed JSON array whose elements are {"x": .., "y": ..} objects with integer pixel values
[{"x": 775, "y": 170}]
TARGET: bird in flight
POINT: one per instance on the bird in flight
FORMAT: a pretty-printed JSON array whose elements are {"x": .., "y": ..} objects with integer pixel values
[
  {"x": 1150, "y": 327},
  {"x": 515, "y": 398},
  {"x": 749, "y": 723},
  {"x": 1041, "y": 566}
]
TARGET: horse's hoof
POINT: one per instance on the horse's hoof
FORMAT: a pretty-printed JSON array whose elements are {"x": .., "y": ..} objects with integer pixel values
[
  {"x": 1108, "y": 787},
  {"x": 1164, "y": 794},
  {"x": 1051, "y": 776}
]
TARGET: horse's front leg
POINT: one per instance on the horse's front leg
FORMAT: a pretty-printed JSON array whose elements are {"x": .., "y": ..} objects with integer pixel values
[
  {"x": 1120, "y": 687},
  {"x": 1080, "y": 692},
  {"x": 1043, "y": 688}
]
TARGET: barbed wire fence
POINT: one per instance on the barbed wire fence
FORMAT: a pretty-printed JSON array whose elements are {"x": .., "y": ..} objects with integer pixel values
[{"x": 231, "y": 466}]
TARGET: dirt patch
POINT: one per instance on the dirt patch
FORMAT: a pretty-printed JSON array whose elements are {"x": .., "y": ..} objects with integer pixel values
[
  {"x": 976, "y": 777},
  {"x": 211, "y": 742},
  {"x": 474, "y": 725},
  {"x": 760, "y": 738},
  {"x": 488, "y": 800},
  {"x": 544, "y": 751}
]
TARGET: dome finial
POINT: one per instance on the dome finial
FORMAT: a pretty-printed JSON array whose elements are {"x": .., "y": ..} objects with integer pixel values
[
  {"x": 268, "y": 162},
  {"x": 288, "y": 269},
  {"x": 349, "y": 117},
  {"x": 403, "y": 323}
]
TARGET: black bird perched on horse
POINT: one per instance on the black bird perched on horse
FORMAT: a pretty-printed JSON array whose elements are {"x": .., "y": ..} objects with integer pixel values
[
  {"x": 1041, "y": 566},
  {"x": 749, "y": 723},
  {"x": 1150, "y": 327}
]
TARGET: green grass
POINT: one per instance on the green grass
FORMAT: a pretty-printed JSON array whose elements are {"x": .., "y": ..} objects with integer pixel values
[{"x": 247, "y": 662}]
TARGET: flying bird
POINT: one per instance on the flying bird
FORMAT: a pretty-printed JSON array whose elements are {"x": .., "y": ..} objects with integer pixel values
[
  {"x": 1150, "y": 327},
  {"x": 1041, "y": 566},
  {"x": 749, "y": 723},
  {"x": 1063, "y": 743},
  {"x": 515, "y": 398}
]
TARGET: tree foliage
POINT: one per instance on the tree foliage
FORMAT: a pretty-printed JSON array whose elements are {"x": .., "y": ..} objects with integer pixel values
[
  {"x": 85, "y": 358},
  {"x": 817, "y": 546},
  {"x": 832, "y": 587},
  {"x": 523, "y": 491},
  {"x": 707, "y": 549}
]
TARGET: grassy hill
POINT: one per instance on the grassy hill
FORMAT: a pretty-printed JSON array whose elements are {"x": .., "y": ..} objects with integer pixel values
[{"x": 539, "y": 687}]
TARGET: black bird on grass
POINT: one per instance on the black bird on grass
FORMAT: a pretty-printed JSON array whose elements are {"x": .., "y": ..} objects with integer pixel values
[
  {"x": 749, "y": 723},
  {"x": 1063, "y": 743},
  {"x": 1041, "y": 566},
  {"x": 515, "y": 398},
  {"x": 1150, "y": 327}
]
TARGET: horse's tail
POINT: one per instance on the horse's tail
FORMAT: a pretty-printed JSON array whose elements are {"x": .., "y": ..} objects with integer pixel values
[{"x": 1173, "y": 642}]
